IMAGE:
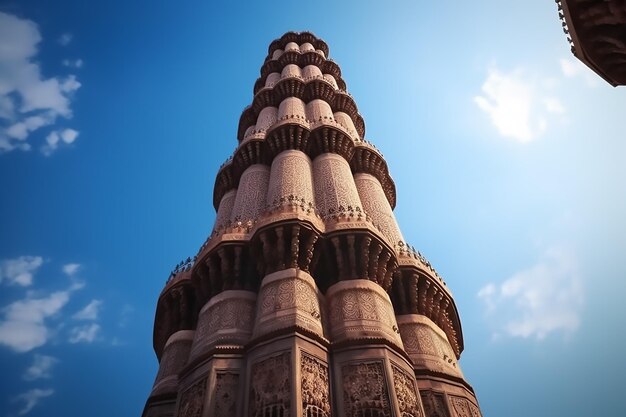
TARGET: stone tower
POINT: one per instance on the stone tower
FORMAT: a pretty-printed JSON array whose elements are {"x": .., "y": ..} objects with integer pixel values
[{"x": 305, "y": 301}]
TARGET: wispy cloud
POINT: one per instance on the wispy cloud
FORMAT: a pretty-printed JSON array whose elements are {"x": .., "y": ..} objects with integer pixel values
[
  {"x": 73, "y": 63},
  {"x": 90, "y": 311},
  {"x": 545, "y": 298},
  {"x": 84, "y": 334},
  {"x": 65, "y": 39},
  {"x": 41, "y": 368},
  {"x": 20, "y": 271},
  {"x": 32, "y": 398},
  {"x": 71, "y": 269},
  {"x": 57, "y": 137},
  {"x": 28, "y": 101},
  {"x": 517, "y": 105}
]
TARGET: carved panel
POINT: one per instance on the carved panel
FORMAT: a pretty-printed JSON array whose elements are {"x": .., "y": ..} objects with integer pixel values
[
  {"x": 334, "y": 184},
  {"x": 406, "y": 393},
  {"x": 291, "y": 175},
  {"x": 192, "y": 400},
  {"x": 226, "y": 386},
  {"x": 270, "y": 387},
  {"x": 365, "y": 390},
  {"x": 251, "y": 193},
  {"x": 461, "y": 406},
  {"x": 434, "y": 404},
  {"x": 377, "y": 206},
  {"x": 315, "y": 387}
]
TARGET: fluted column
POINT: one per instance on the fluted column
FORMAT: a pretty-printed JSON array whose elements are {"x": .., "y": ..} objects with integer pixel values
[
  {"x": 334, "y": 185},
  {"x": 225, "y": 209},
  {"x": 251, "y": 193},
  {"x": 291, "y": 175},
  {"x": 377, "y": 206}
]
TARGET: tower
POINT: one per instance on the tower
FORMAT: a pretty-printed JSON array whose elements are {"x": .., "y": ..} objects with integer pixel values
[{"x": 305, "y": 300}]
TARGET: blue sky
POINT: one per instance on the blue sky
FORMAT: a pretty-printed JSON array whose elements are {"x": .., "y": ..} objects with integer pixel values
[{"x": 506, "y": 152}]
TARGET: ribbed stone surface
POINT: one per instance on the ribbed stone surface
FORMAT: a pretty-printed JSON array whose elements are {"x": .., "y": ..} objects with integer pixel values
[
  {"x": 334, "y": 184},
  {"x": 251, "y": 193},
  {"x": 225, "y": 209},
  {"x": 291, "y": 175},
  {"x": 377, "y": 206}
]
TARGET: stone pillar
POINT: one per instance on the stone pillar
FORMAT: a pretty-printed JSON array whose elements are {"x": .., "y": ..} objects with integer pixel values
[
  {"x": 371, "y": 375},
  {"x": 377, "y": 206},
  {"x": 287, "y": 364}
]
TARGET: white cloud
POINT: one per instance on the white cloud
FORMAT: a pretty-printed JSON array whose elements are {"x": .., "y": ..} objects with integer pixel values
[
  {"x": 20, "y": 271},
  {"x": 53, "y": 140},
  {"x": 90, "y": 311},
  {"x": 31, "y": 399},
  {"x": 73, "y": 63},
  {"x": 85, "y": 333},
  {"x": 24, "y": 325},
  {"x": 71, "y": 269},
  {"x": 65, "y": 39},
  {"x": 41, "y": 368},
  {"x": 28, "y": 102},
  {"x": 545, "y": 298},
  {"x": 515, "y": 104}
]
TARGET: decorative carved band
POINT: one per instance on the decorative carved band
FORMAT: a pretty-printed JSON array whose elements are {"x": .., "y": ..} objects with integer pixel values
[
  {"x": 288, "y": 298},
  {"x": 360, "y": 309}
]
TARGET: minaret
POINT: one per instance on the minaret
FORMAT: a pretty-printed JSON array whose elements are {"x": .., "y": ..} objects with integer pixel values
[{"x": 305, "y": 301}]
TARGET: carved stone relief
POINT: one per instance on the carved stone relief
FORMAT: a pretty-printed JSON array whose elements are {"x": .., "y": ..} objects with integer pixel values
[
  {"x": 226, "y": 387},
  {"x": 315, "y": 387},
  {"x": 434, "y": 404},
  {"x": 360, "y": 310},
  {"x": 291, "y": 174},
  {"x": 334, "y": 184},
  {"x": 192, "y": 400},
  {"x": 365, "y": 390},
  {"x": 461, "y": 406},
  {"x": 251, "y": 193},
  {"x": 377, "y": 206},
  {"x": 230, "y": 314},
  {"x": 270, "y": 386},
  {"x": 406, "y": 393},
  {"x": 427, "y": 347},
  {"x": 293, "y": 293}
]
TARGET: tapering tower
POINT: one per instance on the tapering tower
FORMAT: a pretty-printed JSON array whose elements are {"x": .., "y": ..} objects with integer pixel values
[{"x": 305, "y": 300}]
